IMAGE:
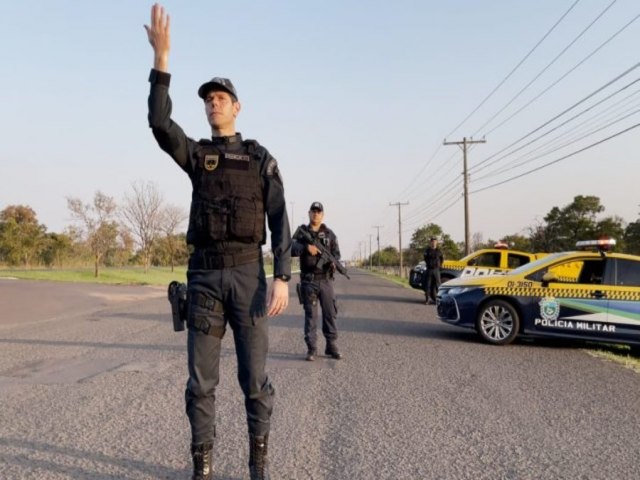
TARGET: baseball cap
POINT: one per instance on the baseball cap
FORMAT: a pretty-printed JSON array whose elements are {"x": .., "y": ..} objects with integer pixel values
[
  {"x": 316, "y": 206},
  {"x": 217, "y": 83},
  {"x": 432, "y": 239}
]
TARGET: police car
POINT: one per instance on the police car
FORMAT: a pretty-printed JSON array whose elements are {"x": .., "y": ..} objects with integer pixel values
[
  {"x": 487, "y": 261},
  {"x": 589, "y": 295}
]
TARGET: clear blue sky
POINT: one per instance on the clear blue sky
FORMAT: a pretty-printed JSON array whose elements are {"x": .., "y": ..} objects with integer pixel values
[{"x": 353, "y": 98}]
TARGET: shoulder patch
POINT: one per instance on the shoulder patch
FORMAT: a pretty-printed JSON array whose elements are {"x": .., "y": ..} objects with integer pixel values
[{"x": 272, "y": 167}]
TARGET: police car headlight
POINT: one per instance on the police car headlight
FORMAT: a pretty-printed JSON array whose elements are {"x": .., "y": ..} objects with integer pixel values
[{"x": 458, "y": 290}]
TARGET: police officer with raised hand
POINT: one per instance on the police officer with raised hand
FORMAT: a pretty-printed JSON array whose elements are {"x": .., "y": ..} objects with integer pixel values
[
  {"x": 236, "y": 184},
  {"x": 316, "y": 281},
  {"x": 433, "y": 259}
]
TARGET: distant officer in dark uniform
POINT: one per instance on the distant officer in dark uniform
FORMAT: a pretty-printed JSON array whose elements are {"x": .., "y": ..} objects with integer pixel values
[
  {"x": 316, "y": 282},
  {"x": 236, "y": 184},
  {"x": 433, "y": 259}
]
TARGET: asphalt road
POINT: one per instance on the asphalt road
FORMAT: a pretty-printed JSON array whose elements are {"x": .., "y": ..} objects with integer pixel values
[{"x": 92, "y": 387}]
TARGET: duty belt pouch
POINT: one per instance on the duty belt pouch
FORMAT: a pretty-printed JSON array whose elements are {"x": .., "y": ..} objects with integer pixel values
[
  {"x": 299, "y": 292},
  {"x": 206, "y": 314}
]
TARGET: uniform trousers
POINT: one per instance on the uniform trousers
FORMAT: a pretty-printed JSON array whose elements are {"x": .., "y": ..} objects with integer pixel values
[
  {"x": 319, "y": 291},
  {"x": 431, "y": 283},
  {"x": 234, "y": 296}
]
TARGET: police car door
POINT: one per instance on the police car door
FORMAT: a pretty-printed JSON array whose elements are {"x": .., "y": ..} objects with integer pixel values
[
  {"x": 578, "y": 302},
  {"x": 623, "y": 275},
  {"x": 486, "y": 263}
]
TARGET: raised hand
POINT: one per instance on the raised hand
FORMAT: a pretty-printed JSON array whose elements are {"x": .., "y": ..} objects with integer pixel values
[{"x": 159, "y": 37}]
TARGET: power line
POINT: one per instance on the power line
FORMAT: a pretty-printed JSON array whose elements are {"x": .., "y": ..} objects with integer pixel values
[
  {"x": 600, "y": 128},
  {"x": 515, "y": 68},
  {"x": 560, "y": 141},
  {"x": 563, "y": 76},
  {"x": 567, "y": 110},
  {"x": 560, "y": 159},
  {"x": 546, "y": 68}
]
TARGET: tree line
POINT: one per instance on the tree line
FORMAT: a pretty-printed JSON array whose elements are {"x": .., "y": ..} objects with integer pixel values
[
  {"x": 560, "y": 229},
  {"x": 141, "y": 230}
]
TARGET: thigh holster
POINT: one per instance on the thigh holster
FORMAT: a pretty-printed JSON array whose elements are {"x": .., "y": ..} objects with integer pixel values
[
  {"x": 310, "y": 292},
  {"x": 206, "y": 314}
]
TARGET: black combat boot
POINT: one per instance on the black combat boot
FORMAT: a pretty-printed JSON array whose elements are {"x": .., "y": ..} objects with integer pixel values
[
  {"x": 332, "y": 351},
  {"x": 311, "y": 355},
  {"x": 258, "y": 461},
  {"x": 202, "y": 461}
]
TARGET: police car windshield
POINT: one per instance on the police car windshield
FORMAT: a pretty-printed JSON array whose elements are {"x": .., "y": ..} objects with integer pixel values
[{"x": 530, "y": 267}]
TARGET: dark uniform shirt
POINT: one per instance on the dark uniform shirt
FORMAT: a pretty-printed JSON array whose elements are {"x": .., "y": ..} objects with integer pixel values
[
  {"x": 433, "y": 258},
  {"x": 181, "y": 148},
  {"x": 313, "y": 264}
]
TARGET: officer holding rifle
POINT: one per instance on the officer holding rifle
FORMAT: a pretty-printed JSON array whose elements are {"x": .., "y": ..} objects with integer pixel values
[{"x": 317, "y": 247}]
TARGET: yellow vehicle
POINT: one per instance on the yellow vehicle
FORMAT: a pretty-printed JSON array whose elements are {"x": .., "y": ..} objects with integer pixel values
[
  {"x": 590, "y": 295},
  {"x": 487, "y": 261}
]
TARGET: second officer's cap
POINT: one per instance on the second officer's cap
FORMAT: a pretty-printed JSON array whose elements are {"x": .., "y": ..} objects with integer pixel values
[
  {"x": 218, "y": 83},
  {"x": 316, "y": 206}
]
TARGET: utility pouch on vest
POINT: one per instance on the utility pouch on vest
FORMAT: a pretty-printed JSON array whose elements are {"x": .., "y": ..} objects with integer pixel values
[{"x": 177, "y": 295}]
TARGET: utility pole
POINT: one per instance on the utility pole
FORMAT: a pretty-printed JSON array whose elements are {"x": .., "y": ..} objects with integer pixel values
[
  {"x": 378, "y": 227},
  {"x": 370, "y": 255},
  {"x": 463, "y": 144},
  {"x": 399, "y": 205}
]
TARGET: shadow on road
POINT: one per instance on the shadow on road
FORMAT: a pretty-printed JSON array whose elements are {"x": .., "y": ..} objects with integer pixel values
[
  {"x": 379, "y": 298},
  {"x": 382, "y": 327},
  {"x": 66, "y": 343},
  {"x": 32, "y": 447}
]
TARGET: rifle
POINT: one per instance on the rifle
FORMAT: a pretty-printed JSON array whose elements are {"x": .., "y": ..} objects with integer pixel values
[{"x": 325, "y": 254}]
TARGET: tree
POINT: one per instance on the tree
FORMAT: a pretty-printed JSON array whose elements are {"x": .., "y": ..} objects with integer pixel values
[
  {"x": 57, "y": 248},
  {"x": 21, "y": 236},
  {"x": 576, "y": 221},
  {"x": 518, "y": 242},
  {"x": 612, "y": 227},
  {"x": 171, "y": 218},
  {"x": 142, "y": 214},
  {"x": 420, "y": 241},
  {"x": 389, "y": 256},
  {"x": 420, "y": 238},
  {"x": 632, "y": 238},
  {"x": 172, "y": 250},
  {"x": 100, "y": 228}
]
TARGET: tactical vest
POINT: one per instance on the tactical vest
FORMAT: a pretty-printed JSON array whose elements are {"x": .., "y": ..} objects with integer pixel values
[
  {"x": 309, "y": 263},
  {"x": 227, "y": 200}
]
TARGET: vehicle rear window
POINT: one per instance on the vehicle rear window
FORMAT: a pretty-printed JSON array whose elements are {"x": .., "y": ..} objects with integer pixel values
[
  {"x": 514, "y": 260},
  {"x": 627, "y": 272}
]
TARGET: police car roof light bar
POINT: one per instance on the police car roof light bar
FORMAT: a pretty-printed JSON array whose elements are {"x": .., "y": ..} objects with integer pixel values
[{"x": 601, "y": 244}]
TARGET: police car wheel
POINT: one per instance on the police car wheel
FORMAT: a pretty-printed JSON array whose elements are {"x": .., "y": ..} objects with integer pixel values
[{"x": 498, "y": 322}]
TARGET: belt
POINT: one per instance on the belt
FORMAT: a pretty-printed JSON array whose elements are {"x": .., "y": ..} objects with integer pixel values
[
  {"x": 314, "y": 276},
  {"x": 204, "y": 260}
]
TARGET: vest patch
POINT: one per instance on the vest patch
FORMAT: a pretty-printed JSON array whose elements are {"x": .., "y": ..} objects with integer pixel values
[
  {"x": 211, "y": 162},
  {"x": 235, "y": 156}
]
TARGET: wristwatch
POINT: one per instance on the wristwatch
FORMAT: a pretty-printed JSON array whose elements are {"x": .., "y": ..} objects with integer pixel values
[{"x": 283, "y": 277}]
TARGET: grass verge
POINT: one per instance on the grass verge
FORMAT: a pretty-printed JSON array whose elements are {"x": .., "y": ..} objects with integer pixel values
[{"x": 112, "y": 276}]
